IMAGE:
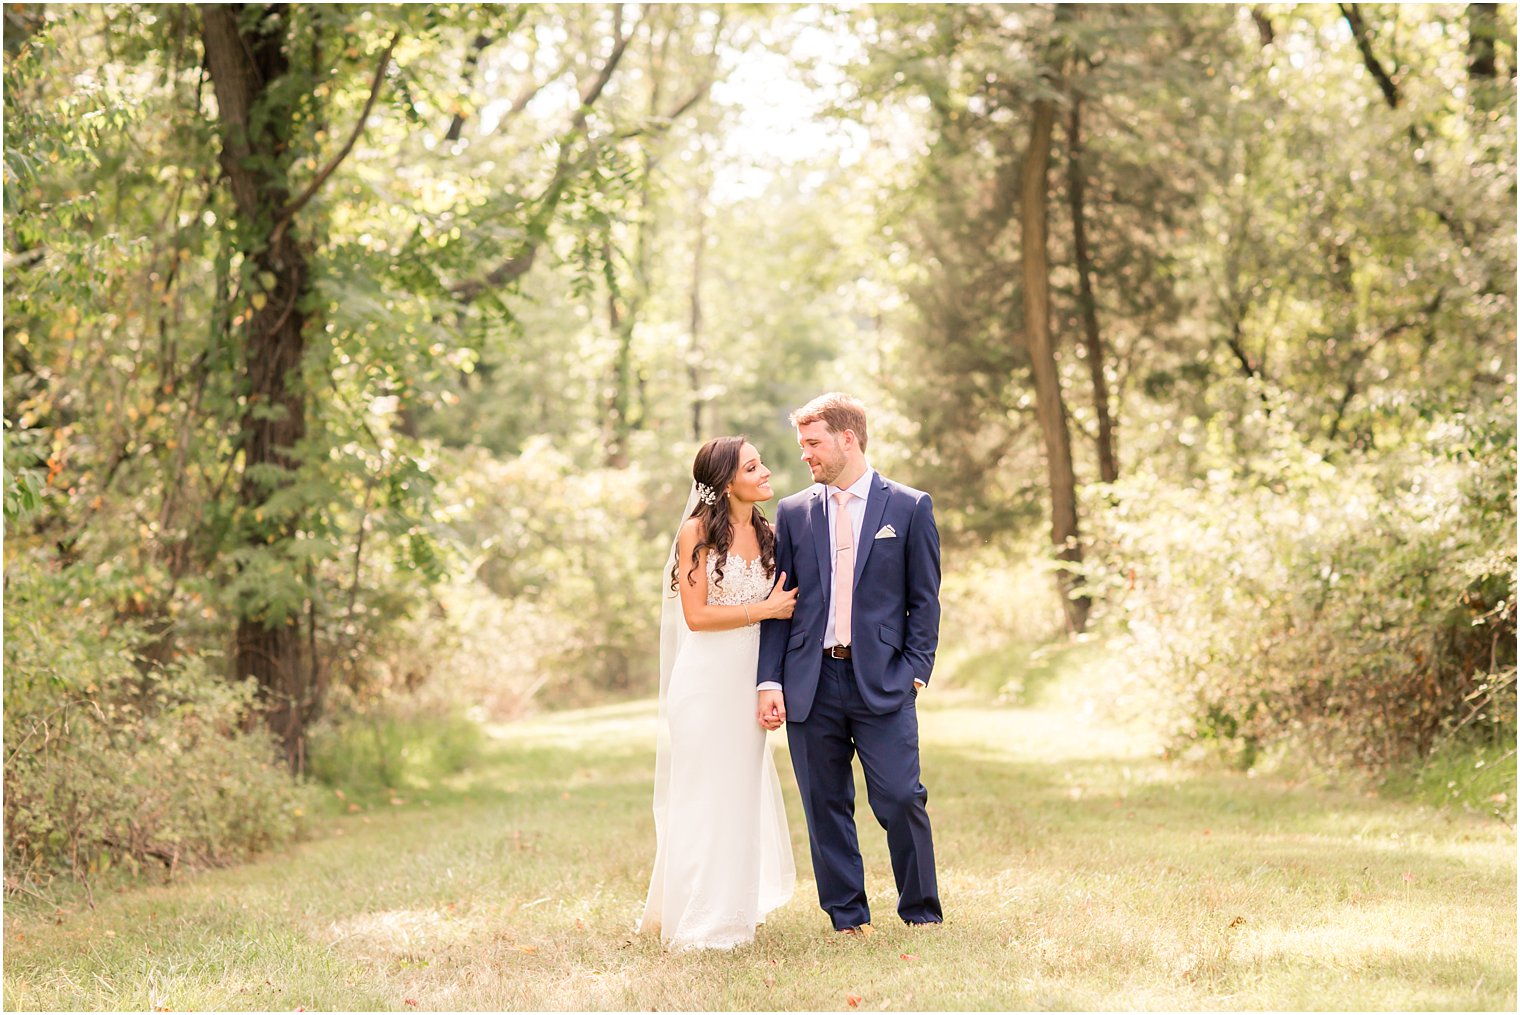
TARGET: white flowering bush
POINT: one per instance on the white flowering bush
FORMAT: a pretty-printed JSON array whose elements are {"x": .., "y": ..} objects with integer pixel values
[{"x": 1361, "y": 612}]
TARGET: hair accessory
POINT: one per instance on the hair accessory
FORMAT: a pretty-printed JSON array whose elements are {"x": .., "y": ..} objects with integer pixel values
[{"x": 705, "y": 494}]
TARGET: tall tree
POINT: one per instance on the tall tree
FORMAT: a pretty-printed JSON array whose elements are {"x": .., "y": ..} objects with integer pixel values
[
  {"x": 675, "y": 88},
  {"x": 1087, "y": 304},
  {"x": 1034, "y": 200},
  {"x": 259, "y": 102}
]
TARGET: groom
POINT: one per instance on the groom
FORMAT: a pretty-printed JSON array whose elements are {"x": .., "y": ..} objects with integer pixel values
[{"x": 845, "y": 670}]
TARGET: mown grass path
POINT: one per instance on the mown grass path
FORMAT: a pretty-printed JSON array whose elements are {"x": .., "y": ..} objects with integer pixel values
[{"x": 1077, "y": 871}]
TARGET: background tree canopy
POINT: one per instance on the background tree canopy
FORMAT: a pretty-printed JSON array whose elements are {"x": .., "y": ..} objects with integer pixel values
[{"x": 355, "y": 357}]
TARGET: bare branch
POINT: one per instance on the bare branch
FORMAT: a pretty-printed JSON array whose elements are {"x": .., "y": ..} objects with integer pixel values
[
  {"x": 529, "y": 93},
  {"x": 1390, "y": 89},
  {"x": 1263, "y": 24},
  {"x": 456, "y": 127},
  {"x": 510, "y": 270},
  {"x": 565, "y": 166},
  {"x": 697, "y": 95},
  {"x": 594, "y": 92},
  {"x": 289, "y": 211}
]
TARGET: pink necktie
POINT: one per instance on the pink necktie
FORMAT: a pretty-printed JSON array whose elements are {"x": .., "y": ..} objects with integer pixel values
[{"x": 844, "y": 567}]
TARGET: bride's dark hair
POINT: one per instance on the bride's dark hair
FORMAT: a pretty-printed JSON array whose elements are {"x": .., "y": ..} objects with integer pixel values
[{"x": 715, "y": 467}]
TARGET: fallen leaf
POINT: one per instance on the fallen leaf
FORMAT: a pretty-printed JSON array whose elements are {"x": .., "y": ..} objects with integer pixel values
[
  {"x": 853, "y": 1000},
  {"x": 1408, "y": 878},
  {"x": 525, "y": 949},
  {"x": 1239, "y": 921},
  {"x": 411, "y": 1002},
  {"x": 908, "y": 958}
]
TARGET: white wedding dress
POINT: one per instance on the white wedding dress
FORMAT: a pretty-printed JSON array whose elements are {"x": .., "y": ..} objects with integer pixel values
[{"x": 723, "y": 858}]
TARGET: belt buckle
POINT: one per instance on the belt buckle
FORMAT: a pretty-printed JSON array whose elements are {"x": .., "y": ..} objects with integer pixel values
[{"x": 839, "y": 651}]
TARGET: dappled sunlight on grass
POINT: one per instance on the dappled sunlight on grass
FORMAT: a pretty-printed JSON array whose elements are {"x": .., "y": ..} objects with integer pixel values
[
  {"x": 1041, "y": 735},
  {"x": 625, "y": 722},
  {"x": 1077, "y": 868}
]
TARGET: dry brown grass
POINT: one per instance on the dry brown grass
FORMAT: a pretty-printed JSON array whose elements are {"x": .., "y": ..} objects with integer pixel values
[{"x": 1078, "y": 871}]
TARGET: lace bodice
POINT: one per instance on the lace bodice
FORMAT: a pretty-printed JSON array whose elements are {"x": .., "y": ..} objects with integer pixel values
[{"x": 743, "y": 582}]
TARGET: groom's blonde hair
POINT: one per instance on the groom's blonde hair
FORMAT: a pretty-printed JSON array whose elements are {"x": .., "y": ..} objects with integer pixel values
[{"x": 838, "y": 411}]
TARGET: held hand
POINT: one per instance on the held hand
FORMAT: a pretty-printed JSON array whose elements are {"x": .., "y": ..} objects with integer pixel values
[
  {"x": 770, "y": 710},
  {"x": 782, "y": 601}
]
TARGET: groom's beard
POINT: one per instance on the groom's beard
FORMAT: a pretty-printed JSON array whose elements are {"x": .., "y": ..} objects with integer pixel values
[{"x": 829, "y": 471}]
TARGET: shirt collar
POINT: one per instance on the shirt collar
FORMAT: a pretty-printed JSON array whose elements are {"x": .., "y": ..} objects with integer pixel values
[{"x": 860, "y": 488}]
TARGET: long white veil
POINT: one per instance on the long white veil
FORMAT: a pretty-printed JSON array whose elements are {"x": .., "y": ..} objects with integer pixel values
[{"x": 673, "y": 632}]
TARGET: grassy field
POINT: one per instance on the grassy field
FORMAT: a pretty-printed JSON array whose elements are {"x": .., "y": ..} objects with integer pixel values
[{"x": 1077, "y": 871}]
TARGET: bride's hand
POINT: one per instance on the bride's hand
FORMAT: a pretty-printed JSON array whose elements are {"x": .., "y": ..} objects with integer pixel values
[{"x": 782, "y": 601}]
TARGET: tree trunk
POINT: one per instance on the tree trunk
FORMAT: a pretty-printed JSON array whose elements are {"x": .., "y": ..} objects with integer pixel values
[
  {"x": 246, "y": 57},
  {"x": 1393, "y": 95},
  {"x": 620, "y": 322},
  {"x": 1033, "y": 202},
  {"x": 624, "y": 321},
  {"x": 1482, "y": 28},
  {"x": 694, "y": 350},
  {"x": 1108, "y": 464}
]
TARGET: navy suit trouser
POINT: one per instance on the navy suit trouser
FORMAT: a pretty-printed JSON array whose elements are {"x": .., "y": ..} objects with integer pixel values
[{"x": 823, "y": 746}]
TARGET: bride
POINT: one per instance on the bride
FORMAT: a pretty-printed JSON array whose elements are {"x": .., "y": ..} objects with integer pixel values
[{"x": 723, "y": 858}]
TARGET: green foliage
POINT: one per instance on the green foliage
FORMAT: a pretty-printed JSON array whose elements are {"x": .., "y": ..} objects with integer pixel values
[
  {"x": 24, "y": 484},
  {"x": 392, "y": 748},
  {"x": 1363, "y": 612},
  {"x": 116, "y": 760},
  {"x": 492, "y": 456},
  {"x": 567, "y": 574},
  {"x": 1001, "y": 631},
  {"x": 1475, "y": 774}
]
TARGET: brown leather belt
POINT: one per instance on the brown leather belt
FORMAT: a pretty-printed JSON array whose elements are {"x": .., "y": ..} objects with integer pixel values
[{"x": 837, "y": 652}]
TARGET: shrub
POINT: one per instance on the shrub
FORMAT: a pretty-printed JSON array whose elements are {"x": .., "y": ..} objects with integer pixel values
[
  {"x": 388, "y": 748},
  {"x": 559, "y": 600},
  {"x": 113, "y": 760},
  {"x": 1362, "y": 612},
  {"x": 1002, "y": 632}
]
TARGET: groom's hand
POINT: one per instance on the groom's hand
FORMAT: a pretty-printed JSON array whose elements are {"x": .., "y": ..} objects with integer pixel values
[{"x": 770, "y": 711}]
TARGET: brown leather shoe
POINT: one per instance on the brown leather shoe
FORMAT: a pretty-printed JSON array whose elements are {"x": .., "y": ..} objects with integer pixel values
[{"x": 864, "y": 930}]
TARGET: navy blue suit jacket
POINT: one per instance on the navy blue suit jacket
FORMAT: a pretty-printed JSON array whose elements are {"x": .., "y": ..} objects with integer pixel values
[{"x": 894, "y": 615}]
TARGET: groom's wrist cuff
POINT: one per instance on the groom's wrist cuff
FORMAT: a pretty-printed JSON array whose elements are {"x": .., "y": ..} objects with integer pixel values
[{"x": 767, "y": 685}]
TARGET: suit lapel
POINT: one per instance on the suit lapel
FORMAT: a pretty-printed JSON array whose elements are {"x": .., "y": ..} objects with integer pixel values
[
  {"x": 818, "y": 520},
  {"x": 876, "y": 506}
]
